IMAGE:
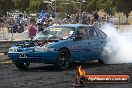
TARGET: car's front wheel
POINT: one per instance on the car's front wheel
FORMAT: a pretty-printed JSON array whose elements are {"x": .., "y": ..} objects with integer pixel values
[
  {"x": 63, "y": 59},
  {"x": 22, "y": 65}
]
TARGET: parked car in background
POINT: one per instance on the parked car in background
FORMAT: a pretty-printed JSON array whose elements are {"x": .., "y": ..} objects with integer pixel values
[{"x": 60, "y": 45}]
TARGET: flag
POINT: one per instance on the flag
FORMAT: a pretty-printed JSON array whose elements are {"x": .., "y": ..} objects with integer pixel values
[{"x": 41, "y": 17}]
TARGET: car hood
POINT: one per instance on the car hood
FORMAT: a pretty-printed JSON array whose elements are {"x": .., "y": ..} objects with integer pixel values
[{"x": 27, "y": 44}]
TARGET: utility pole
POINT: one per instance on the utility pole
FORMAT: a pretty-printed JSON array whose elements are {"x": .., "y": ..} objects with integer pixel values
[
  {"x": 55, "y": 5},
  {"x": 80, "y": 2},
  {"x": 38, "y": 5},
  {"x": 55, "y": 8},
  {"x": 80, "y": 17}
]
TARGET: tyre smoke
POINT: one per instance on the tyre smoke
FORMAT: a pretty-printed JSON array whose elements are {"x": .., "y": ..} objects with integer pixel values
[{"x": 119, "y": 49}]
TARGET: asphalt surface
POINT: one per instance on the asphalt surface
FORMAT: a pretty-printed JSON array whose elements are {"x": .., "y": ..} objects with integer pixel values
[{"x": 45, "y": 76}]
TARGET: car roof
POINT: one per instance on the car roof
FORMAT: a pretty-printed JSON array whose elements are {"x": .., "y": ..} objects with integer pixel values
[{"x": 71, "y": 25}]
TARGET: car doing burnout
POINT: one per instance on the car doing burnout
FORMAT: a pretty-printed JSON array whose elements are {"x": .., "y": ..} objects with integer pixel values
[{"x": 60, "y": 45}]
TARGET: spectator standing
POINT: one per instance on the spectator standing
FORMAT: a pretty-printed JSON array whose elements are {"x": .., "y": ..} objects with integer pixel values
[
  {"x": 40, "y": 27},
  {"x": 1, "y": 21},
  {"x": 77, "y": 18},
  {"x": 67, "y": 19},
  {"x": 20, "y": 22},
  {"x": 11, "y": 23},
  {"x": 1, "y": 24},
  {"x": 96, "y": 16},
  {"x": 32, "y": 30},
  {"x": 26, "y": 22},
  {"x": 84, "y": 18}
]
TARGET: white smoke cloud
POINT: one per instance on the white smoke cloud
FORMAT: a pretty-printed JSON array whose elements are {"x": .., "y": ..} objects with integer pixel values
[{"x": 119, "y": 50}]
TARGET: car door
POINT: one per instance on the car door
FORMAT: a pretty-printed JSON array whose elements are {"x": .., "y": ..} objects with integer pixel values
[
  {"x": 102, "y": 38},
  {"x": 80, "y": 47},
  {"x": 95, "y": 42}
]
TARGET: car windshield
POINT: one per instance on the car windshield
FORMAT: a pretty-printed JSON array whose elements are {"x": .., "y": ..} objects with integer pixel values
[{"x": 55, "y": 33}]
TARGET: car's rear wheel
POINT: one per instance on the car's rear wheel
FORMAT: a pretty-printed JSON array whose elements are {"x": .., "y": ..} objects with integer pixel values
[
  {"x": 63, "y": 59},
  {"x": 22, "y": 65},
  {"x": 101, "y": 61},
  {"x": 105, "y": 57}
]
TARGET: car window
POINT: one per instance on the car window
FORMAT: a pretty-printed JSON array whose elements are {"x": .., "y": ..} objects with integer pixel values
[
  {"x": 102, "y": 34},
  {"x": 98, "y": 33},
  {"x": 82, "y": 32},
  {"x": 60, "y": 32},
  {"x": 92, "y": 34}
]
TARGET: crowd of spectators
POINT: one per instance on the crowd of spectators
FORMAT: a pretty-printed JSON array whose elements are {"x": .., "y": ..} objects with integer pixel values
[{"x": 32, "y": 26}]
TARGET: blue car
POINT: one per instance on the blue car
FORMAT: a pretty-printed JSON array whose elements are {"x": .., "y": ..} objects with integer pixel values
[{"x": 60, "y": 45}]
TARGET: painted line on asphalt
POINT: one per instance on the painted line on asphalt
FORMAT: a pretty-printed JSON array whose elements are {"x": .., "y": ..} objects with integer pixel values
[{"x": 6, "y": 62}]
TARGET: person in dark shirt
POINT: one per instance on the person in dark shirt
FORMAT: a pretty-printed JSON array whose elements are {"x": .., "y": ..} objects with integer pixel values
[
  {"x": 20, "y": 23},
  {"x": 40, "y": 27},
  {"x": 96, "y": 16},
  {"x": 84, "y": 18}
]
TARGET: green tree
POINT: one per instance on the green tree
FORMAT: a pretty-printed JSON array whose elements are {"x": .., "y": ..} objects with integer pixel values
[
  {"x": 107, "y": 5},
  {"x": 5, "y": 6},
  {"x": 124, "y": 6},
  {"x": 24, "y": 5},
  {"x": 15, "y": 4},
  {"x": 91, "y": 5},
  {"x": 33, "y": 6}
]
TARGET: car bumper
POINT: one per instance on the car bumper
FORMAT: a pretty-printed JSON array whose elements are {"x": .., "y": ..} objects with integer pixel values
[{"x": 33, "y": 57}]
